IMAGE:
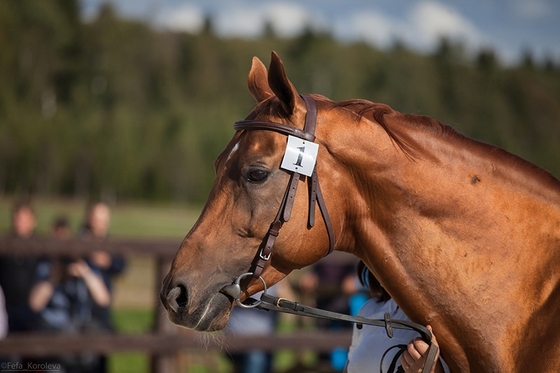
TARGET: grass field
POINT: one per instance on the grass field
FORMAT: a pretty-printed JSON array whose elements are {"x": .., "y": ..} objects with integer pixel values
[{"x": 128, "y": 219}]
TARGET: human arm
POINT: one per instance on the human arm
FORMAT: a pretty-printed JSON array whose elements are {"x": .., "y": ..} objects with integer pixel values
[
  {"x": 94, "y": 282},
  {"x": 48, "y": 274},
  {"x": 40, "y": 295},
  {"x": 414, "y": 358}
]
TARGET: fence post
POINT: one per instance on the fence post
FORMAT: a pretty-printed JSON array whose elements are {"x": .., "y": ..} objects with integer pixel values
[{"x": 163, "y": 363}]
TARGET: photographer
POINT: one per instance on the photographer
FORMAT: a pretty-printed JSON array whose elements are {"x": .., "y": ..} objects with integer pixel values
[{"x": 64, "y": 294}]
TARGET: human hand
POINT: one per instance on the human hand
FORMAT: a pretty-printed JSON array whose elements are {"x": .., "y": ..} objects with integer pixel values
[
  {"x": 79, "y": 268},
  {"x": 414, "y": 358},
  {"x": 94, "y": 282}
]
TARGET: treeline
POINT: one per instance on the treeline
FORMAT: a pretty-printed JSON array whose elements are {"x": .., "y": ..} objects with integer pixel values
[{"x": 112, "y": 107}]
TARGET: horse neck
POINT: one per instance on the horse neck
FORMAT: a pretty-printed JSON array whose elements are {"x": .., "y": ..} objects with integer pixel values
[
  {"x": 449, "y": 181},
  {"x": 431, "y": 223}
]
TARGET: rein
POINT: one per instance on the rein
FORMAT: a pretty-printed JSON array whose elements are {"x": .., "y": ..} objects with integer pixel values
[
  {"x": 272, "y": 303},
  {"x": 285, "y": 210}
]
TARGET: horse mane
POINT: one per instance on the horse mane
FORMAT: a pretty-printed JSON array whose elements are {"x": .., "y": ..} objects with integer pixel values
[
  {"x": 380, "y": 112},
  {"x": 395, "y": 123},
  {"x": 387, "y": 117}
]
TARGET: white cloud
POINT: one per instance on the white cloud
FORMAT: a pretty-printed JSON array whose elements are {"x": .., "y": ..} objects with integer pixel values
[
  {"x": 429, "y": 21},
  {"x": 237, "y": 21},
  {"x": 287, "y": 19},
  {"x": 188, "y": 17},
  {"x": 372, "y": 27},
  {"x": 421, "y": 27}
]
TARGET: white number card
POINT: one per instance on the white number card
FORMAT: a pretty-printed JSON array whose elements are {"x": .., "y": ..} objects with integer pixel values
[{"x": 300, "y": 156}]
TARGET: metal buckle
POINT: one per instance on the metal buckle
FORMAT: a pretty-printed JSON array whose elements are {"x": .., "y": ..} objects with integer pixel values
[{"x": 265, "y": 257}]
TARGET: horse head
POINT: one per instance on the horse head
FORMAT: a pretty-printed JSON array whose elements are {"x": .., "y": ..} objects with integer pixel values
[{"x": 249, "y": 190}]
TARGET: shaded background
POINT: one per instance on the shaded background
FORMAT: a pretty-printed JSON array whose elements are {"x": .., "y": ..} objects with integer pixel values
[{"x": 133, "y": 100}]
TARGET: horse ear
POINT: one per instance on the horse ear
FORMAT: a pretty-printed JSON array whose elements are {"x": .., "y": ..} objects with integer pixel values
[
  {"x": 281, "y": 85},
  {"x": 257, "y": 81}
]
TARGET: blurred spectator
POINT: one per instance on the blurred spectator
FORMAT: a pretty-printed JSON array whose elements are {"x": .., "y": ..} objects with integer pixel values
[
  {"x": 252, "y": 321},
  {"x": 3, "y": 316},
  {"x": 96, "y": 227},
  {"x": 64, "y": 294},
  {"x": 17, "y": 271},
  {"x": 61, "y": 228},
  {"x": 333, "y": 283}
]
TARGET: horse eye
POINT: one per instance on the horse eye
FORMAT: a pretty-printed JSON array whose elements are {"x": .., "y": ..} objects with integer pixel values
[{"x": 257, "y": 176}]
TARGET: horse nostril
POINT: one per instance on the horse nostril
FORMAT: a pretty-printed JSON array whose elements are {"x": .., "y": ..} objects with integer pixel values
[{"x": 177, "y": 297}]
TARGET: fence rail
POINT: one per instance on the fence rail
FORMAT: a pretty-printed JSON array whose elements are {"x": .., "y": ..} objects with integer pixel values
[
  {"x": 166, "y": 339},
  {"x": 41, "y": 345}
]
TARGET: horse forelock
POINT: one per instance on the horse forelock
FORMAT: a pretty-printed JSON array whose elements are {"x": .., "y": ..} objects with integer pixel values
[{"x": 269, "y": 108}]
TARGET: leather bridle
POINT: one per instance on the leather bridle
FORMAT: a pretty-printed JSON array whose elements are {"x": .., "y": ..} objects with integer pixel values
[{"x": 285, "y": 210}]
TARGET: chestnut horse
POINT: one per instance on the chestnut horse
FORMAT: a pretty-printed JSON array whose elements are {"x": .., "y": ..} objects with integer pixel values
[{"x": 464, "y": 236}]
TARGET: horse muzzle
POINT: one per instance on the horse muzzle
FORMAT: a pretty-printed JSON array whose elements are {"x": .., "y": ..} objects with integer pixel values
[{"x": 208, "y": 314}]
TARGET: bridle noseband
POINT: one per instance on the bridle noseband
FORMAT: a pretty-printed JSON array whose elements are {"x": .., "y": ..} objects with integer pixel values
[{"x": 285, "y": 210}]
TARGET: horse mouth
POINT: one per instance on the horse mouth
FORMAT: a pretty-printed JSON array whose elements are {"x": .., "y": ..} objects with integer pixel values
[{"x": 209, "y": 317}]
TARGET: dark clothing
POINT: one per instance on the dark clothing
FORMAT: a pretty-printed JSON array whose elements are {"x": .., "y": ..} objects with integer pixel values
[
  {"x": 70, "y": 308},
  {"x": 330, "y": 297},
  {"x": 16, "y": 279},
  {"x": 103, "y": 314},
  {"x": 117, "y": 266},
  {"x": 329, "y": 294}
]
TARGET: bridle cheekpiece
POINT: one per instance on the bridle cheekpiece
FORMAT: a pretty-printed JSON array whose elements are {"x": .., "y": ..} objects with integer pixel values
[{"x": 285, "y": 210}]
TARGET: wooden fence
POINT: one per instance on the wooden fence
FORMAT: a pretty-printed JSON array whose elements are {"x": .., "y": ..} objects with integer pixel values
[{"x": 165, "y": 340}]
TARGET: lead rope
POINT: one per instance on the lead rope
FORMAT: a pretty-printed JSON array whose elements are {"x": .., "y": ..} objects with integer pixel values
[
  {"x": 272, "y": 303},
  {"x": 394, "y": 367}
]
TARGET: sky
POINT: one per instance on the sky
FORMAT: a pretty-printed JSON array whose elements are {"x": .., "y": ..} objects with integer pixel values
[{"x": 509, "y": 27}]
